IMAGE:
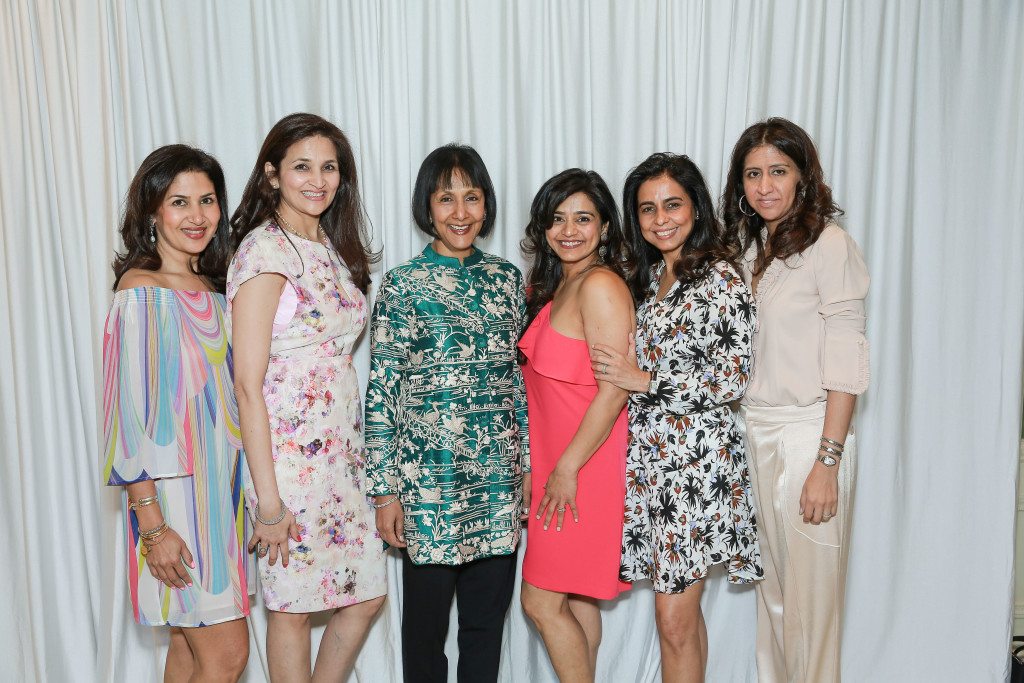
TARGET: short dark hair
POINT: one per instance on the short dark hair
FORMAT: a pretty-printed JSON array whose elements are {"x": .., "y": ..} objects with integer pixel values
[
  {"x": 436, "y": 173},
  {"x": 706, "y": 243},
  {"x": 145, "y": 194},
  {"x": 344, "y": 221}
]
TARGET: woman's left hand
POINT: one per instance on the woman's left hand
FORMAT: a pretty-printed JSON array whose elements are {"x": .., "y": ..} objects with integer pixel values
[
  {"x": 559, "y": 492},
  {"x": 612, "y": 366},
  {"x": 819, "y": 499}
]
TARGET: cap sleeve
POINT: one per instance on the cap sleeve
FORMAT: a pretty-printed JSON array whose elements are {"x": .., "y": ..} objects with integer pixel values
[
  {"x": 842, "y": 278},
  {"x": 264, "y": 250}
]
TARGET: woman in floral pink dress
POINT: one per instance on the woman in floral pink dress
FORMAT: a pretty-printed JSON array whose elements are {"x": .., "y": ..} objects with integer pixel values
[{"x": 296, "y": 291}]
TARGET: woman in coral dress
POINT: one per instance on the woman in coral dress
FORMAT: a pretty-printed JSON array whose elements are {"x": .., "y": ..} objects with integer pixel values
[
  {"x": 577, "y": 425},
  {"x": 296, "y": 291}
]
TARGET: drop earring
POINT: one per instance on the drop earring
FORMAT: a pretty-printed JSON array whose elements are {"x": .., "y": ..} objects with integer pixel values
[{"x": 152, "y": 232}]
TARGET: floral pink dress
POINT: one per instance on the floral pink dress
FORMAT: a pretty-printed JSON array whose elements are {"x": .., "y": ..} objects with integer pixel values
[{"x": 312, "y": 397}]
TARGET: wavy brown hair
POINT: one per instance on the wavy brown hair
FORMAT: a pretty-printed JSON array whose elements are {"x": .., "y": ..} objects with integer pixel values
[
  {"x": 546, "y": 271},
  {"x": 344, "y": 221},
  {"x": 707, "y": 242},
  {"x": 145, "y": 195},
  {"x": 813, "y": 207}
]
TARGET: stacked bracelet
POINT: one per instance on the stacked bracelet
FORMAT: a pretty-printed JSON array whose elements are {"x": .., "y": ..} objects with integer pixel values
[
  {"x": 829, "y": 452},
  {"x": 142, "y": 502},
  {"x": 271, "y": 522}
]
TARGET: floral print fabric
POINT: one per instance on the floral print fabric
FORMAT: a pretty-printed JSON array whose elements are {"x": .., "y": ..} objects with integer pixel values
[
  {"x": 445, "y": 405},
  {"x": 312, "y": 396},
  {"x": 688, "y": 498}
]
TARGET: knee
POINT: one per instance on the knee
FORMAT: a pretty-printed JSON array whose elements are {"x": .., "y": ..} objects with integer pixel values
[
  {"x": 289, "y": 621},
  {"x": 227, "y": 664},
  {"x": 678, "y": 630},
  {"x": 539, "y": 610},
  {"x": 367, "y": 610}
]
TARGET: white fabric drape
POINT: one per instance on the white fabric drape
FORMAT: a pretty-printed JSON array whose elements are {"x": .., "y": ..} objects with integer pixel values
[{"x": 918, "y": 110}]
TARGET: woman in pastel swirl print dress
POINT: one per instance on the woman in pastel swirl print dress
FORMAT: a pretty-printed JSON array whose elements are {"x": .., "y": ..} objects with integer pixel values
[
  {"x": 688, "y": 499},
  {"x": 446, "y": 422},
  {"x": 296, "y": 295},
  {"x": 577, "y": 297},
  {"x": 170, "y": 426},
  {"x": 810, "y": 363}
]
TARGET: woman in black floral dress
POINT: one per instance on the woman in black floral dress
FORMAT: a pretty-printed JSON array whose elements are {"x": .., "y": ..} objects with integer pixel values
[{"x": 688, "y": 501}]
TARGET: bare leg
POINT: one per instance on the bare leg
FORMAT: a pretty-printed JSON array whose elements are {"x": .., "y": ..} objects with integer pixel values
[
  {"x": 683, "y": 635},
  {"x": 178, "y": 667},
  {"x": 588, "y": 614},
  {"x": 344, "y": 637},
  {"x": 221, "y": 651},
  {"x": 563, "y": 635},
  {"x": 288, "y": 647}
]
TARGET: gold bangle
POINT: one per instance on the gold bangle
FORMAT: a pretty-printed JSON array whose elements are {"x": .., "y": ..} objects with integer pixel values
[
  {"x": 142, "y": 502},
  {"x": 154, "y": 532}
]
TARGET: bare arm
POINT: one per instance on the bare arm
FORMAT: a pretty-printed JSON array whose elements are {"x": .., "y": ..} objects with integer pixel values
[
  {"x": 252, "y": 320},
  {"x": 608, "y": 318}
]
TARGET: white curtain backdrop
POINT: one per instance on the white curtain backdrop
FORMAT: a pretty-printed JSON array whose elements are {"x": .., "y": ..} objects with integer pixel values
[{"x": 918, "y": 110}]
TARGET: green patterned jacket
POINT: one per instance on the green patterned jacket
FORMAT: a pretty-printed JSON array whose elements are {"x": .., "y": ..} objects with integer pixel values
[{"x": 445, "y": 404}]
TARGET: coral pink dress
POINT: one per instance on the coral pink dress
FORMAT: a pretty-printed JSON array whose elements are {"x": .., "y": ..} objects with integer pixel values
[{"x": 582, "y": 558}]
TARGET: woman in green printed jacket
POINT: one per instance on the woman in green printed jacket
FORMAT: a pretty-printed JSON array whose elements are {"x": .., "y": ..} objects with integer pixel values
[{"x": 446, "y": 429}]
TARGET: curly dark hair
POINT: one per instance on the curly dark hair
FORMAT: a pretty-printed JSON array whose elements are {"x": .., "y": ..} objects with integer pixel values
[
  {"x": 145, "y": 194},
  {"x": 344, "y": 221},
  {"x": 546, "y": 270},
  {"x": 812, "y": 210},
  {"x": 707, "y": 242}
]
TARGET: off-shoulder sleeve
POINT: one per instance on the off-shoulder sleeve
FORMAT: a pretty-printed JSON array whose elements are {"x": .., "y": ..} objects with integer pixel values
[
  {"x": 842, "y": 279},
  {"x": 389, "y": 360},
  {"x": 723, "y": 372},
  {"x": 144, "y": 379},
  {"x": 518, "y": 387}
]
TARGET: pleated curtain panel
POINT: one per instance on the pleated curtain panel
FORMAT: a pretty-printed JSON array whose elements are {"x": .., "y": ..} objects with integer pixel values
[{"x": 917, "y": 108}]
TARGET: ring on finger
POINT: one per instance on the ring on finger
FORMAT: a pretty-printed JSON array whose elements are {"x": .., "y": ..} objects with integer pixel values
[
  {"x": 262, "y": 549},
  {"x": 605, "y": 370}
]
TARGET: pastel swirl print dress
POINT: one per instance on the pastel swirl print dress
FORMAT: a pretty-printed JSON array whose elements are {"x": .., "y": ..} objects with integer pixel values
[
  {"x": 316, "y": 425},
  {"x": 169, "y": 415},
  {"x": 689, "y": 504}
]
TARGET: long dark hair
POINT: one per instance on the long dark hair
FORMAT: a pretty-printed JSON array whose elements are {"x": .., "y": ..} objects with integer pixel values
[
  {"x": 438, "y": 170},
  {"x": 344, "y": 221},
  {"x": 145, "y": 195},
  {"x": 813, "y": 207},
  {"x": 706, "y": 243},
  {"x": 546, "y": 271}
]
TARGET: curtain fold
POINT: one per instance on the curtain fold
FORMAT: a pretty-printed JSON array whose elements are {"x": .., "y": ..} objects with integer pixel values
[{"x": 918, "y": 111}]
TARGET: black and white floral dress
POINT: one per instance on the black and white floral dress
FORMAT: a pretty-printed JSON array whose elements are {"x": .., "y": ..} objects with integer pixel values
[{"x": 688, "y": 498}]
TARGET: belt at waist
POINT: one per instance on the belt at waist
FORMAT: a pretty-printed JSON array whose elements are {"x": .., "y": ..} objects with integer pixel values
[{"x": 783, "y": 414}]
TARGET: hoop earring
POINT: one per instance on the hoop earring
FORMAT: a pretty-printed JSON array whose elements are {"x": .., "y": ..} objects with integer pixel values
[{"x": 740, "y": 203}]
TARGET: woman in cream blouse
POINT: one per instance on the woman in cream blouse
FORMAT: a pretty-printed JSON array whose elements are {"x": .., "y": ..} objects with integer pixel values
[{"x": 810, "y": 363}]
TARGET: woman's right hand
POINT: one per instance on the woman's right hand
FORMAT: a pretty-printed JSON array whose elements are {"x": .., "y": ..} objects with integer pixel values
[
  {"x": 272, "y": 539},
  {"x": 391, "y": 521},
  {"x": 167, "y": 558}
]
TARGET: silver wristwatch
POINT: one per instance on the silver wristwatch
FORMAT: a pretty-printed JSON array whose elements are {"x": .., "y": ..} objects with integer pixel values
[{"x": 827, "y": 460}]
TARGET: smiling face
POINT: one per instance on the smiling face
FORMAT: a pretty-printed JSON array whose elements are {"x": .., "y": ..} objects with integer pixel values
[
  {"x": 665, "y": 213},
  {"x": 575, "y": 233},
  {"x": 770, "y": 179},
  {"x": 457, "y": 213},
  {"x": 187, "y": 217},
  {"x": 308, "y": 179}
]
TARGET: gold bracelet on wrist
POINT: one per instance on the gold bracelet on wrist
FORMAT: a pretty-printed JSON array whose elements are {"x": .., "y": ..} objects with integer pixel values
[
  {"x": 142, "y": 502},
  {"x": 154, "y": 532}
]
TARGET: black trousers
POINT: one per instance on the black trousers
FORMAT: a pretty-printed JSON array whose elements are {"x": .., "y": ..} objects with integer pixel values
[{"x": 483, "y": 589}]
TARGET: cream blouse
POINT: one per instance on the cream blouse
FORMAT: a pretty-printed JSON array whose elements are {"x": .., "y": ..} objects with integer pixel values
[{"x": 810, "y": 335}]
